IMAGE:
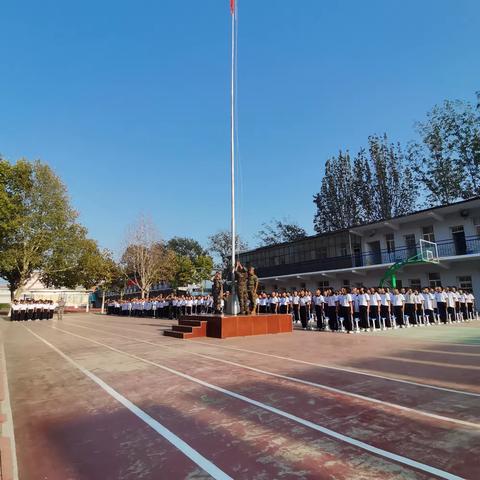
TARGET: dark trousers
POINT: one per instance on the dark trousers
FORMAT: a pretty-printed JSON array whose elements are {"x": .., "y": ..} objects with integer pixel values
[
  {"x": 419, "y": 311},
  {"x": 273, "y": 307},
  {"x": 410, "y": 311},
  {"x": 332, "y": 318},
  {"x": 442, "y": 311},
  {"x": 346, "y": 313},
  {"x": 303, "y": 316},
  {"x": 283, "y": 309},
  {"x": 430, "y": 316},
  {"x": 398, "y": 311},
  {"x": 374, "y": 315},
  {"x": 319, "y": 315},
  {"x": 385, "y": 313},
  {"x": 451, "y": 313},
  {"x": 363, "y": 315},
  {"x": 296, "y": 312}
]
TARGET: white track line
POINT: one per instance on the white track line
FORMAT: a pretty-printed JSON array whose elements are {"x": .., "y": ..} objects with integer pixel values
[
  {"x": 307, "y": 423},
  {"x": 186, "y": 449},
  {"x": 322, "y": 365},
  {"x": 8, "y": 427},
  {"x": 297, "y": 380}
]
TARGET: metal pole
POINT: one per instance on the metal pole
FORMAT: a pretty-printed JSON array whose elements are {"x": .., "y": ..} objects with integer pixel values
[{"x": 232, "y": 160}]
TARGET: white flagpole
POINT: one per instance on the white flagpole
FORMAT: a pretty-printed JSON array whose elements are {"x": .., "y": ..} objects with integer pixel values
[{"x": 232, "y": 160}]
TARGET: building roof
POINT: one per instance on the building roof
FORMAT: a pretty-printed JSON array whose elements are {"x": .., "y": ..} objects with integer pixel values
[{"x": 438, "y": 210}]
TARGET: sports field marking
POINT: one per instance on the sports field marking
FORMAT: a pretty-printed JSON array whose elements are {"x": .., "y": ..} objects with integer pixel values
[
  {"x": 369, "y": 400},
  {"x": 186, "y": 449},
  {"x": 322, "y": 365},
  {"x": 428, "y": 362},
  {"x": 429, "y": 350},
  {"x": 307, "y": 423}
]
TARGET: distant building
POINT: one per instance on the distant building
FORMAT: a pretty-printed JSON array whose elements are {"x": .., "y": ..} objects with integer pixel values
[
  {"x": 359, "y": 256},
  {"x": 74, "y": 298}
]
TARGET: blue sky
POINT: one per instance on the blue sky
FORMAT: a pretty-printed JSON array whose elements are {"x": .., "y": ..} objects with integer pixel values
[{"x": 128, "y": 101}]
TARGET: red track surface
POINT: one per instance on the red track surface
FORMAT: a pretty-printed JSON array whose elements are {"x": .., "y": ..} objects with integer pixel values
[{"x": 255, "y": 408}]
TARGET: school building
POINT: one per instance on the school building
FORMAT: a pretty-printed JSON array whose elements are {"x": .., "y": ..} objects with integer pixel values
[{"x": 360, "y": 256}]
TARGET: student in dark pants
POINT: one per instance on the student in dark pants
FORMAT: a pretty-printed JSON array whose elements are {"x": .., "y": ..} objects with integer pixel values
[{"x": 303, "y": 310}]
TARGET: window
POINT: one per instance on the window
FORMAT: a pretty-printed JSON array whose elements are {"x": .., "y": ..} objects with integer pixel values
[
  {"x": 322, "y": 252},
  {"x": 346, "y": 282},
  {"x": 303, "y": 286},
  {"x": 410, "y": 244},
  {"x": 275, "y": 287},
  {"x": 464, "y": 282},
  {"x": 389, "y": 238},
  {"x": 415, "y": 283},
  {"x": 323, "y": 284},
  {"x": 428, "y": 233},
  {"x": 399, "y": 284},
  {"x": 343, "y": 249},
  {"x": 434, "y": 280},
  {"x": 476, "y": 224}
]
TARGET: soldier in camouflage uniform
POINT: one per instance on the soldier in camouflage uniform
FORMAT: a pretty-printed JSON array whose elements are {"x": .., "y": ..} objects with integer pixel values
[
  {"x": 252, "y": 285},
  {"x": 217, "y": 293},
  {"x": 241, "y": 281}
]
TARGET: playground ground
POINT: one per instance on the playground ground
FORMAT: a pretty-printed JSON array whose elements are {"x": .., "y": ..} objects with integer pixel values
[{"x": 104, "y": 398}]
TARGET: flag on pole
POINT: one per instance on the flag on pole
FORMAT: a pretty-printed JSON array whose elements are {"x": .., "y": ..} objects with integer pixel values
[{"x": 232, "y": 6}]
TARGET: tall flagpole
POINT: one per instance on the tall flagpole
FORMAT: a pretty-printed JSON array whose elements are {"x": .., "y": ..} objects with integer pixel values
[{"x": 233, "y": 8}]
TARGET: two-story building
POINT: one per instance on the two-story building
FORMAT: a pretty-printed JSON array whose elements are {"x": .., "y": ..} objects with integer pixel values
[{"x": 360, "y": 256}]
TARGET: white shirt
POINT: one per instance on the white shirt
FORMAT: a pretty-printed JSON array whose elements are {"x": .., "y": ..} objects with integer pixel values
[
  {"x": 345, "y": 300},
  {"x": 332, "y": 300},
  {"x": 363, "y": 299},
  {"x": 397, "y": 300},
  {"x": 385, "y": 299},
  {"x": 427, "y": 301}
]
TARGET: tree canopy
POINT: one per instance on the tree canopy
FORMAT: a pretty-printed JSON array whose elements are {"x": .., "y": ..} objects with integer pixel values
[
  {"x": 39, "y": 231},
  {"x": 280, "y": 231}
]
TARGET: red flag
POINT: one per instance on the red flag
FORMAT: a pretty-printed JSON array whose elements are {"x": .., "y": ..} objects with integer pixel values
[{"x": 232, "y": 6}]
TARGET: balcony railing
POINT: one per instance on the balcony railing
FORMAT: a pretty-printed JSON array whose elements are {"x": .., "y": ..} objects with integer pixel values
[{"x": 446, "y": 248}]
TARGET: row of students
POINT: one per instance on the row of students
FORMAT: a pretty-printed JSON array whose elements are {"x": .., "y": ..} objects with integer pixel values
[
  {"x": 170, "y": 306},
  {"x": 21, "y": 310},
  {"x": 370, "y": 308}
]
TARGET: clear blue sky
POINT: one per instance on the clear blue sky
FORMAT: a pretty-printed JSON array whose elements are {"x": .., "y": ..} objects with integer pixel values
[{"x": 128, "y": 100}]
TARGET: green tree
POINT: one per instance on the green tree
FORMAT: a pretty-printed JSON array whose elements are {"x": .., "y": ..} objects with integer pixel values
[
  {"x": 220, "y": 245},
  {"x": 39, "y": 230},
  {"x": 280, "y": 231},
  {"x": 446, "y": 157},
  {"x": 336, "y": 203},
  {"x": 185, "y": 246}
]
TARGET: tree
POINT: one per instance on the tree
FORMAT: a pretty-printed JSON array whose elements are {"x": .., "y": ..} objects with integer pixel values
[
  {"x": 280, "y": 231},
  {"x": 187, "y": 247},
  {"x": 335, "y": 202},
  {"x": 394, "y": 193},
  {"x": 145, "y": 259},
  {"x": 220, "y": 244},
  {"x": 446, "y": 158},
  {"x": 39, "y": 230},
  {"x": 194, "y": 265}
]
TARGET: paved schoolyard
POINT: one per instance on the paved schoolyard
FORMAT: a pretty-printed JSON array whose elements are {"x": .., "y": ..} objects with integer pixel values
[{"x": 104, "y": 398}]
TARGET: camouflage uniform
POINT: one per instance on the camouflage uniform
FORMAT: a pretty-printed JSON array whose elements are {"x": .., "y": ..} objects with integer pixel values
[
  {"x": 217, "y": 294},
  {"x": 252, "y": 285},
  {"x": 241, "y": 280}
]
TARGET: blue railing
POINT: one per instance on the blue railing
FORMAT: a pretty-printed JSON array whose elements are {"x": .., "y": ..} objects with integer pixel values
[{"x": 446, "y": 248}]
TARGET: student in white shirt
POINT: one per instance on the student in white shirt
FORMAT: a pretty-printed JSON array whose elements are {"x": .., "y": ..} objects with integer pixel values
[
  {"x": 363, "y": 304},
  {"x": 374, "y": 309},
  {"x": 441, "y": 300},
  {"x": 409, "y": 308},
  {"x": 296, "y": 306},
  {"x": 303, "y": 302},
  {"x": 346, "y": 309},
  {"x": 331, "y": 300},
  {"x": 319, "y": 301},
  {"x": 462, "y": 299},
  {"x": 470, "y": 300},
  {"x": 273, "y": 303},
  {"x": 385, "y": 307},
  {"x": 398, "y": 303},
  {"x": 283, "y": 303}
]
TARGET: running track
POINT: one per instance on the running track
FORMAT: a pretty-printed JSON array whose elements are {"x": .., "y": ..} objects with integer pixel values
[{"x": 111, "y": 398}]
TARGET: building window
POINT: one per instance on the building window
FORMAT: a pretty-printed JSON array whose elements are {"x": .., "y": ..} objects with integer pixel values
[
  {"x": 410, "y": 243},
  {"x": 322, "y": 252},
  {"x": 389, "y": 238},
  {"x": 303, "y": 286},
  {"x": 346, "y": 282},
  {"x": 323, "y": 284},
  {"x": 464, "y": 282},
  {"x": 399, "y": 284},
  {"x": 343, "y": 250},
  {"x": 428, "y": 233},
  {"x": 415, "y": 283},
  {"x": 434, "y": 280}
]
